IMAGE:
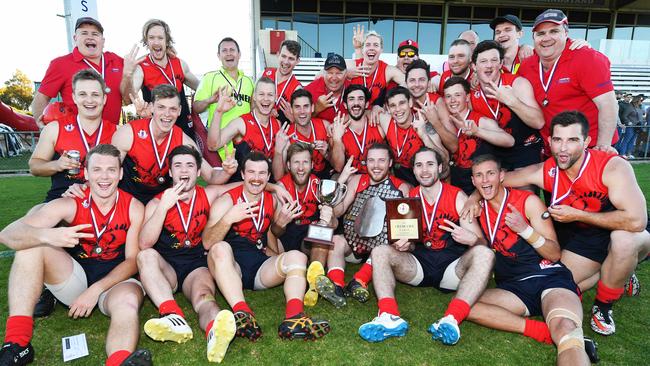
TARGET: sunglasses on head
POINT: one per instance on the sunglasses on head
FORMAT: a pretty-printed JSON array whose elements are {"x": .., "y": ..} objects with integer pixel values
[{"x": 407, "y": 53}]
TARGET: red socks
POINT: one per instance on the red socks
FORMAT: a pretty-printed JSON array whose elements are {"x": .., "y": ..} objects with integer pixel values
[
  {"x": 607, "y": 295},
  {"x": 337, "y": 276},
  {"x": 117, "y": 357},
  {"x": 208, "y": 327},
  {"x": 170, "y": 307},
  {"x": 364, "y": 275},
  {"x": 388, "y": 305},
  {"x": 459, "y": 309},
  {"x": 538, "y": 331},
  {"x": 19, "y": 329},
  {"x": 242, "y": 306},
  {"x": 294, "y": 307}
]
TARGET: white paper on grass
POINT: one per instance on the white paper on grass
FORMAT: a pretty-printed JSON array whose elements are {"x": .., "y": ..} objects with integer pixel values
[{"x": 74, "y": 347}]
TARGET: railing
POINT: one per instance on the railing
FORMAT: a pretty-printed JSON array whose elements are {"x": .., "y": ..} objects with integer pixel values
[
  {"x": 306, "y": 50},
  {"x": 626, "y": 52},
  {"x": 15, "y": 150}
]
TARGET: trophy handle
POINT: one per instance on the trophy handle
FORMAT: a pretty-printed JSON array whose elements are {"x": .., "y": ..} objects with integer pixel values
[
  {"x": 343, "y": 189},
  {"x": 317, "y": 192}
]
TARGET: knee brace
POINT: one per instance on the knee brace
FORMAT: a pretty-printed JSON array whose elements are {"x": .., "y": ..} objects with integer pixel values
[{"x": 573, "y": 339}]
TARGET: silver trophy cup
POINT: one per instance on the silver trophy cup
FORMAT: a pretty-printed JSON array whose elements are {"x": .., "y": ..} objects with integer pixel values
[{"x": 330, "y": 193}]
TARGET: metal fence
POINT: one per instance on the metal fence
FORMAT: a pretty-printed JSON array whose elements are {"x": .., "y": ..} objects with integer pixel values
[{"x": 15, "y": 150}]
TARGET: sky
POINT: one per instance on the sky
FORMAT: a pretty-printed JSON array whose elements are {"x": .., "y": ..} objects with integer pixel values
[{"x": 33, "y": 34}]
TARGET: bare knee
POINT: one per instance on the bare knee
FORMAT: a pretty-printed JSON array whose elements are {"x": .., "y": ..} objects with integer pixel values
[
  {"x": 482, "y": 256},
  {"x": 295, "y": 257},
  {"x": 624, "y": 244},
  {"x": 381, "y": 253},
  {"x": 220, "y": 252},
  {"x": 147, "y": 258},
  {"x": 126, "y": 301},
  {"x": 339, "y": 244}
]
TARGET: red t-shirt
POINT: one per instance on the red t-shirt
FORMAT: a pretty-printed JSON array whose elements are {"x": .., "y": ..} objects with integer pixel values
[
  {"x": 375, "y": 82},
  {"x": 284, "y": 89},
  {"x": 357, "y": 144},
  {"x": 318, "y": 132},
  {"x": 580, "y": 76},
  {"x": 318, "y": 88},
  {"x": 58, "y": 79},
  {"x": 403, "y": 142}
]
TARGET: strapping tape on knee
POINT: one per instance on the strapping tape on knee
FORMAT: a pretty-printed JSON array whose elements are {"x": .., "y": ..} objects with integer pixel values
[
  {"x": 573, "y": 339},
  {"x": 296, "y": 270},
  {"x": 205, "y": 298},
  {"x": 279, "y": 266},
  {"x": 563, "y": 313}
]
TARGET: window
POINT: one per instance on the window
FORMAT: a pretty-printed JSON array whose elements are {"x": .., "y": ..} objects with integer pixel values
[
  {"x": 330, "y": 35},
  {"x": 454, "y": 28},
  {"x": 307, "y": 26},
  {"x": 305, "y": 5},
  {"x": 429, "y": 36},
  {"x": 483, "y": 30},
  {"x": 404, "y": 29},
  {"x": 595, "y": 34},
  {"x": 384, "y": 26}
]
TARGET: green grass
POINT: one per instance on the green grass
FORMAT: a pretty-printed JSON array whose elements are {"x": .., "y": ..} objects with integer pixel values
[{"x": 478, "y": 346}]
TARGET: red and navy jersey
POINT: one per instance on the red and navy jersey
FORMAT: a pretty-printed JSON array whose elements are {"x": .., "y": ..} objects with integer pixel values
[
  {"x": 508, "y": 120},
  {"x": 364, "y": 182},
  {"x": 403, "y": 142},
  {"x": 446, "y": 75},
  {"x": 470, "y": 146},
  {"x": 257, "y": 136},
  {"x": 318, "y": 132},
  {"x": 141, "y": 170},
  {"x": 69, "y": 138},
  {"x": 588, "y": 193},
  {"x": 352, "y": 140},
  {"x": 318, "y": 88},
  {"x": 155, "y": 75},
  {"x": 306, "y": 198},
  {"x": 375, "y": 82},
  {"x": 112, "y": 240},
  {"x": 284, "y": 89},
  {"x": 515, "y": 257},
  {"x": 438, "y": 239},
  {"x": 172, "y": 240},
  {"x": 246, "y": 228},
  {"x": 580, "y": 76}
]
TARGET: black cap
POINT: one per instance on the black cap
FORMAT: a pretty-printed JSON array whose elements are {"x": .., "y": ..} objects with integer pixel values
[
  {"x": 335, "y": 60},
  {"x": 551, "y": 15},
  {"x": 508, "y": 18},
  {"x": 89, "y": 20}
]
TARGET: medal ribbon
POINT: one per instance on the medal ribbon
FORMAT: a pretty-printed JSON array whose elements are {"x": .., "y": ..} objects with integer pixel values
[
  {"x": 302, "y": 201},
  {"x": 400, "y": 150},
  {"x": 172, "y": 81},
  {"x": 186, "y": 224},
  {"x": 259, "y": 221},
  {"x": 464, "y": 119},
  {"x": 93, "y": 67},
  {"x": 493, "y": 232},
  {"x": 550, "y": 76},
  {"x": 268, "y": 143},
  {"x": 83, "y": 135},
  {"x": 556, "y": 180},
  {"x": 362, "y": 145},
  {"x": 313, "y": 134},
  {"x": 99, "y": 233},
  {"x": 372, "y": 82},
  {"x": 159, "y": 160},
  {"x": 237, "y": 93},
  {"x": 428, "y": 220},
  {"x": 494, "y": 113},
  {"x": 286, "y": 83}
]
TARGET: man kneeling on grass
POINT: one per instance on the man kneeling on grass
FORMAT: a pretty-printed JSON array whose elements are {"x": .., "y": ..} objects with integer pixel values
[
  {"x": 173, "y": 257},
  {"x": 87, "y": 264}
]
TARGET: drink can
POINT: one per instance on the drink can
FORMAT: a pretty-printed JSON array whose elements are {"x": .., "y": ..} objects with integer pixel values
[{"x": 74, "y": 155}]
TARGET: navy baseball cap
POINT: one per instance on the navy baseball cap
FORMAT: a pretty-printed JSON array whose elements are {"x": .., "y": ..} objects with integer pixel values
[
  {"x": 335, "y": 60},
  {"x": 551, "y": 15},
  {"x": 88, "y": 20},
  {"x": 508, "y": 18}
]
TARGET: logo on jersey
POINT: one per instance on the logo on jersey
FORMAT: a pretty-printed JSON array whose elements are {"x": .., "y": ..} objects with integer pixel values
[
  {"x": 69, "y": 127},
  {"x": 551, "y": 172},
  {"x": 85, "y": 203},
  {"x": 115, "y": 69},
  {"x": 269, "y": 73},
  {"x": 142, "y": 134},
  {"x": 545, "y": 264},
  {"x": 564, "y": 81},
  {"x": 477, "y": 94}
]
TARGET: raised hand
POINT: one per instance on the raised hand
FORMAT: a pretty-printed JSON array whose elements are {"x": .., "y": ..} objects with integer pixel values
[
  {"x": 289, "y": 212},
  {"x": 459, "y": 234},
  {"x": 515, "y": 220},
  {"x": 285, "y": 107},
  {"x": 358, "y": 36},
  {"x": 339, "y": 126},
  {"x": 241, "y": 211},
  {"x": 131, "y": 60},
  {"x": 65, "y": 162},
  {"x": 75, "y": 190},
  {"x": 66, "y": 237},
  {"x": 172, "y": 195},
  {"x": 282, "y": 139},
  {"x": 229, "y": 164},
  {"x": 142, "y": 108},
  {"x": 347, "y": 171},
  {"x": 226, "y": 101}
]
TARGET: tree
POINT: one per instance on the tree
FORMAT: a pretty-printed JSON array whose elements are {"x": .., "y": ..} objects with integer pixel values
[{"x": 18, "y": 91}]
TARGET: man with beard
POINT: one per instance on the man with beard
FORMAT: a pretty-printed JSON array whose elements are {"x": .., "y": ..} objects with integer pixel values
[
  {"x": 476, "y": 134},
  {"x": 353, "y": 134},
  {"x": 236, "y": 237},
  {"x": 172, "y": 258},
  {"x": 459, "y": 59},
  {"x": 363, "y": 190},
  {"x": 431, "y": 104},
  {"x": 285, "y": 81},
  {"x": 50, "y": 157},
  {"x": 327, "y": 91},
  {"x": 306, "y": 129},
  {"x": 599, "y": 212},
  {"x": 85, "y": 264},
  {"x": 510, "y": 100},
  {"x": 145, "y": 143},
  {"x": 255, "y": 131},
  {"x": 443, "y": 260},
  {"x": 406, "y": 133},
  {"x": 229, "y": 77},
  {"x": 376, "y": 74},
  {"x": 303, "y": 185},
  {"x": 160, "y": 66},
  {"x": 531, "y": 280},
  {"x": 565, "y": 79},
  {"x": 87, "y": 54}
]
